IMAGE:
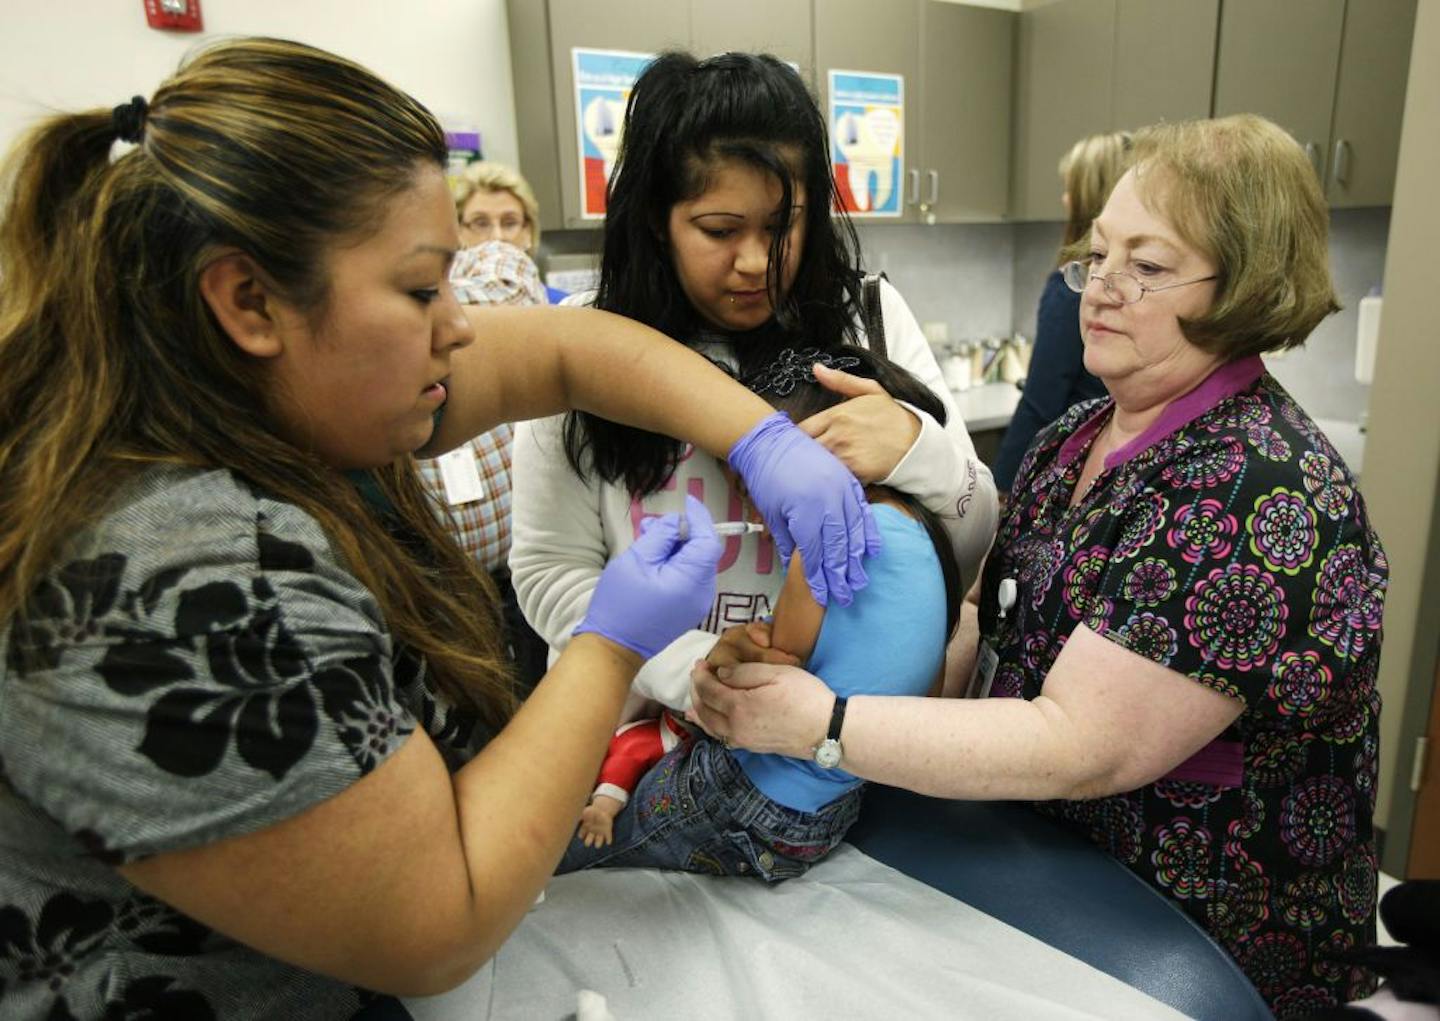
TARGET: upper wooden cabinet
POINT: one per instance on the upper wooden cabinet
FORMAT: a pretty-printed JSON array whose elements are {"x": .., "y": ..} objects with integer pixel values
[
  {"x": 1064, "y": 71},
  {"x": 966, "y": 102},
  {"x": 543, "y": 33},
  {"x": 1084, "y": 67},
  {"x": 993, "y": 98},
  {"x": 541, "y": 38},
  {"x": 1330, "y": 72},
  {"x": 956, "y": 62},
  {"x": 1164, "y": 62},
  {"x": 850, "y": 35},
  {"x": 1279, "y": 58},
  {"x": 779, "y": 27},
  {"x": 1369, "y": 102}
]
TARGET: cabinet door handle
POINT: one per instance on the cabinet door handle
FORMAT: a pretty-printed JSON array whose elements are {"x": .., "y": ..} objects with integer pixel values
[
  {"x": 1340, "y": 163},
  {"x": 914, "y": 187},
  {"x": 1312, "y": 153},
  {"x": 934, "y": 176}
]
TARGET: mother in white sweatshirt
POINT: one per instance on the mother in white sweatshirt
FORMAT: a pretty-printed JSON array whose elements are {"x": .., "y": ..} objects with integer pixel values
[{"x": 719, "y": 233}]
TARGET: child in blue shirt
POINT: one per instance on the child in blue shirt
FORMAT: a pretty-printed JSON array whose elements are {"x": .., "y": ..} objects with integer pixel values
[{"x": 702, "y": 807}]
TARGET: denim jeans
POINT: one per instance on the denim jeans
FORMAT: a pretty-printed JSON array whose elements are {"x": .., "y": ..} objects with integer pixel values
[{"x": 697, "y": 811}]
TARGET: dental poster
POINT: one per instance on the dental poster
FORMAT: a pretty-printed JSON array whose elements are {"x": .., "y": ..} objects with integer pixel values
[
  {"x": 603, "y": 79},
  {"x": 867, "y": 140}
]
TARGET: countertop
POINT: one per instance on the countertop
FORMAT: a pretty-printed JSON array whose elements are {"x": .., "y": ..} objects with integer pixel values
[{"x": 989, "y": 406}]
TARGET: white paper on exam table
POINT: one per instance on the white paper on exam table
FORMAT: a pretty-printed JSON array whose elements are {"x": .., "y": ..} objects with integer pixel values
[{"x": 853, "y": 938}]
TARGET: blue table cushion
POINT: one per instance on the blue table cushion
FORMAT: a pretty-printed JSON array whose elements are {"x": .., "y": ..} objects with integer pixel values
[{"x": 1049, "y": 882}]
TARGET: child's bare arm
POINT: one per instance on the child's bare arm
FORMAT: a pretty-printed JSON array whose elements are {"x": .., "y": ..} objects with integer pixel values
[{"x": 797, "y": 616}]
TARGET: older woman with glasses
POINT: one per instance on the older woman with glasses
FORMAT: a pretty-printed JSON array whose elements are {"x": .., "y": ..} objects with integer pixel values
[
  {"x": 495, "y": 203},
  {"x": 1179, "y": 622}
]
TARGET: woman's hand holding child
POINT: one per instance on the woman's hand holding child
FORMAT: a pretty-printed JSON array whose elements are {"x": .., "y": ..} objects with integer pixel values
[
  {"x": 871, "y": 433},
  {"x": 811, "y": 501}
]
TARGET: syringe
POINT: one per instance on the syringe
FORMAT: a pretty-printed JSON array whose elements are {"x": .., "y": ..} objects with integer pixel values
[
  {"x": 738, "y": 527},
  {"x": 722, "y": 528}
]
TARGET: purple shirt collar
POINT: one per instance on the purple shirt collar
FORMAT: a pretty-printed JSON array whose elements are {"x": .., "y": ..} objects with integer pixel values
[{"x": 1226, "y": 381}]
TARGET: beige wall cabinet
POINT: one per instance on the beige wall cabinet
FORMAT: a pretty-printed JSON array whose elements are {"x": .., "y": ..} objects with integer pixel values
[
  {"x": 1164, "y": 68},
  {"x": 781, "y": 27},
  {"x": 642, "y": 26},
  {"x": 957, "y": 64},
  {"x": 852, "y": 35},
  {"x": 1279, "y": 59},
  {"x": 1331, "y": 73},
  {"x": 1064, "y": 66},
  {"x": 966, "y": 100},
  {"x": 1090, "y": 66},
  {"x": 1369, "y": 102},
  {"x": 543, "y": 33}
]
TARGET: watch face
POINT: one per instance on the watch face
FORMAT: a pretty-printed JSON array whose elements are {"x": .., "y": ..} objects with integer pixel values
[{"x": 828, "y": 753}]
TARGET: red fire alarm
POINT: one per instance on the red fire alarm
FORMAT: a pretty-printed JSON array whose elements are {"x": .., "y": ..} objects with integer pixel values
[{"x": 176, "y": 15}]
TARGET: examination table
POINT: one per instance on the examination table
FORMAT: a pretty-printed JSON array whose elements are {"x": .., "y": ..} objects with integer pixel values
[{"x": 997, "y": 912}]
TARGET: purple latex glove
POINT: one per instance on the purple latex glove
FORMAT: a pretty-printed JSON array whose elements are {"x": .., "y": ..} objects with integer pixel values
[
  {"x": 809, "y": 500},
  {"x": 662, "y": 586}
]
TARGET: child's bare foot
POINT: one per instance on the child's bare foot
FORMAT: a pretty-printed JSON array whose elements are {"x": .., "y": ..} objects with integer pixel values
[{"x": 597, "y": 821}]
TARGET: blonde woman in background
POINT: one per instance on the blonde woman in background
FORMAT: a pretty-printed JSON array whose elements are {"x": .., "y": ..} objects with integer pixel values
[
  {"x": 1057, "y": 378},
  {"x": 496, "y": 203}
]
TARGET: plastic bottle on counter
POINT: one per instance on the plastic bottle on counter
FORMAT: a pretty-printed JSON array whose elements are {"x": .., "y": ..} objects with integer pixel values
[
  {"x": 955, "y": 366},
  {"x": 977, "y": 363},
  {"x": 992, "y": 362},
  {"x": 1023, "y": 349},
  {"x": 1010, "y": 369}
]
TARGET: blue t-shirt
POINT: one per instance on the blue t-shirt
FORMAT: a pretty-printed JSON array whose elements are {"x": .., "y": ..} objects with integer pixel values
[{"x": 889, "y": 641}]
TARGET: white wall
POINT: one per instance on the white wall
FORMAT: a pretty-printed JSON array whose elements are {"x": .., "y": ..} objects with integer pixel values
[{"x": 452, "y": 55}]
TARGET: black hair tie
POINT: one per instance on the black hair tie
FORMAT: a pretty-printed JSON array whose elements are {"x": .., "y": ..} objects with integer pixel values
[{"x": 129, "y": 120}]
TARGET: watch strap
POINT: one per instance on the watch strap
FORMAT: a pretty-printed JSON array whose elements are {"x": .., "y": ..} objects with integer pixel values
[{"x": 837, "y": 719}]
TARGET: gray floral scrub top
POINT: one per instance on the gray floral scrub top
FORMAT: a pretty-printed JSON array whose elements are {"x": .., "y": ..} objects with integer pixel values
[
  {"x": 1230, "y": 544},
  {"x": 200, "y": 666}
]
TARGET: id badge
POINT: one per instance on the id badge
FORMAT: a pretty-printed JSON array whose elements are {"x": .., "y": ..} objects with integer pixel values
[
  {"x": 985, "y": 665},
  {"x": 461, "y": 476}
]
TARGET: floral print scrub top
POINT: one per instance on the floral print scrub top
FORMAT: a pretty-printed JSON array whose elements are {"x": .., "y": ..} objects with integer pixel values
[
  {"x": 1230, "y": 544},
  {"x": 199, "y": 666}
]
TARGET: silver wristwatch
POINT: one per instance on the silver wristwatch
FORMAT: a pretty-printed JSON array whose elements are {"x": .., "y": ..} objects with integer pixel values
[{"x": 829, "y": 751}]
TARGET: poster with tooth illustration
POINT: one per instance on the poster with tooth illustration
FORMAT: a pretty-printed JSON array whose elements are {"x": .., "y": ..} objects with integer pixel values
[
  {"x": 603, "y": 79},
  {"x": 867, "y": 141}
]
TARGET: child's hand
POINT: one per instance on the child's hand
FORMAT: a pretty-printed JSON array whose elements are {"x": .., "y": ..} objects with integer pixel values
[
  {"x": 597, "y": 821},
  {"x": 748, "y": 643}
]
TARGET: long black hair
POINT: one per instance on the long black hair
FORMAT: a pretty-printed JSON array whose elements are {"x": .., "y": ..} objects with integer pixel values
[
  {"x": 685, "y": 115},
  {"x": 789, "y": 385}
]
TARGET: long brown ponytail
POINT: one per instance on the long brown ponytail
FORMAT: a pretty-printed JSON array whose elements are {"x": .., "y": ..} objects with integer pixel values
[{"x": 110, "y": 360}]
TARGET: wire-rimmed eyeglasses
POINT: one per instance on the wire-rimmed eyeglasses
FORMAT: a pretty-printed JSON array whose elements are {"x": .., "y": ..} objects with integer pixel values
[
  {"x": 1121, "y": 286},
  {"x": 506, "y": 228}
]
